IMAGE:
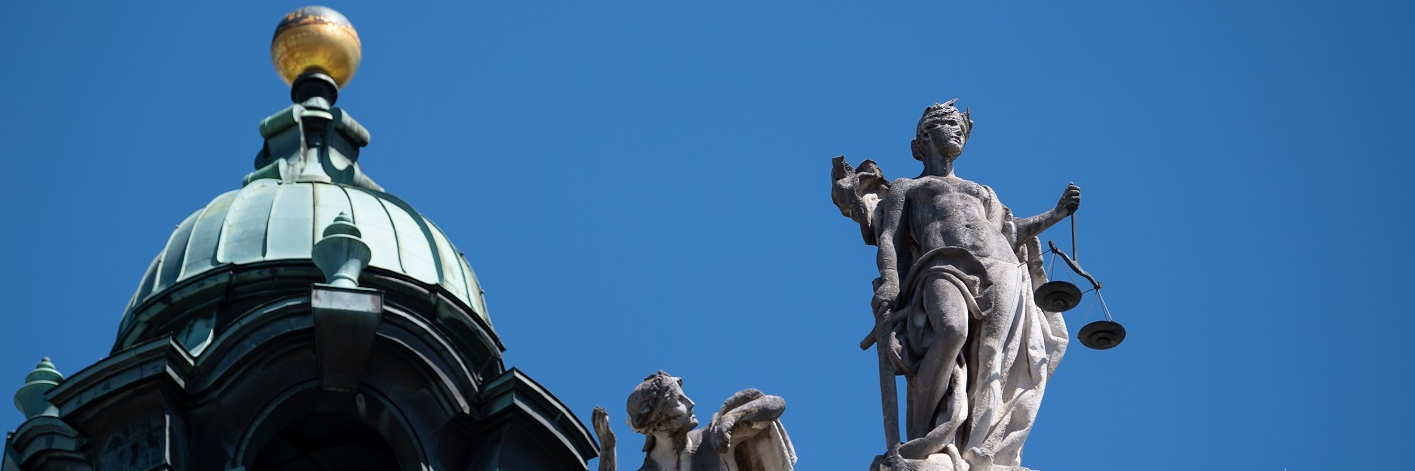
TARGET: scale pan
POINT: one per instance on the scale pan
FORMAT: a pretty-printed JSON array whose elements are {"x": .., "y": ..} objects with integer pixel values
[
  {"x": 1057, "y": 296},
  {"x": 1102, "y": 335}
]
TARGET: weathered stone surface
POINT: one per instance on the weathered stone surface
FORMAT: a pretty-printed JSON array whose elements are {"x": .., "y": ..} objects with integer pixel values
[
  {"x": 953, "y": 304},
  {"x": 744, "y": 435}
]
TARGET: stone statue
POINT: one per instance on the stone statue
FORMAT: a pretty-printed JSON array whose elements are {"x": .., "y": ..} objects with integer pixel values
[
  {"x": 744, "y": 435},
  {"x": 953, "y": 304}
]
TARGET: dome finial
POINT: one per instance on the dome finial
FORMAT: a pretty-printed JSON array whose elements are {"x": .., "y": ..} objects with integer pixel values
[
  {"x": 341, "y": 254},
  {"x": 30, "y": 398},
  {"x": 317, "y": 43}
]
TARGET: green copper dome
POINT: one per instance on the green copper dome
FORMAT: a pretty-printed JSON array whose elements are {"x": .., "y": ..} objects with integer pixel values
[
  {"x": 262, "y": 236},
  {"x": 272, "y": 220}
]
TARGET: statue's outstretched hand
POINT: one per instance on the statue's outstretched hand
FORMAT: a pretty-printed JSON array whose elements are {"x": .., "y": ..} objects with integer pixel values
[
  {"x": 1070, "y": 200},
  {"x": 600, "y": 420}
]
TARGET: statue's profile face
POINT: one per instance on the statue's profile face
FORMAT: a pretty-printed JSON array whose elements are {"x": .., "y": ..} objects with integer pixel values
[
  {"x": 678, "y": 411},
  {"x": 659, "y": 405},
  {"x": 945, "y": 136}
]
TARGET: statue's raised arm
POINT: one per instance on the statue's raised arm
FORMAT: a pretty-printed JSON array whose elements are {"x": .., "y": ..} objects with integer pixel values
[
  {"x": 1035, "y": 225},
  {"x": 857, "y": 192},
  {"x": 608, "y": 459}
]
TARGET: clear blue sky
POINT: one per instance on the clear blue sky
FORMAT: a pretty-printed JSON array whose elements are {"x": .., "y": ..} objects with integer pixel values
[{"x": 644, "y": 186}]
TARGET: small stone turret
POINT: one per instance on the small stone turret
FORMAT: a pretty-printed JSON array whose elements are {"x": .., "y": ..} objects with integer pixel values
[
  {"x": 44, "y": 442},
  {"x": 30, "y": 398}
]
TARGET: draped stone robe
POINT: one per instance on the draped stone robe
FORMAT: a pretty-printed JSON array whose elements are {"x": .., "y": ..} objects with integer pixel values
[{"x": 984, "y": 413}]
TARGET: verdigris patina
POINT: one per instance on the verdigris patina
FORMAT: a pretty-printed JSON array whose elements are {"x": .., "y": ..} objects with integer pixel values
[
  {"x": 953, "y": 304},
  {"x": 744, "y": 435}
]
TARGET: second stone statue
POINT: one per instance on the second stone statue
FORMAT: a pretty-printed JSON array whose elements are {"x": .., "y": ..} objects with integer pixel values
[{"x": 744, "y": 435}]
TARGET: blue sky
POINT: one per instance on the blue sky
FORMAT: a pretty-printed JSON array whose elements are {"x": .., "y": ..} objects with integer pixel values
[{"x": 644, "y": 186}]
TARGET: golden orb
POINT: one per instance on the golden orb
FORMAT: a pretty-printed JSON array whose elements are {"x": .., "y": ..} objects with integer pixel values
[{"x": 316, "y": 39}]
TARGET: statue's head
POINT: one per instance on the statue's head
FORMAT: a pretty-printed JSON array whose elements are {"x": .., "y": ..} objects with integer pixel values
[
  {"x": 659, "y": 405},
  {"x": 943, "y": 129}
]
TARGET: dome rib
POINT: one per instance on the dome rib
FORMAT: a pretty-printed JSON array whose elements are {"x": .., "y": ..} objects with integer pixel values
[
  {"x": 244, "y": 235},
  {"x": 419, "y": 261},
  {"x": 377, "y": 226},
  {"x": 452, "y": 277},
  {"x": 205, "y": 237},
  {"x": 171, "y": 266},
  {"x": 291, "y": 230},
  {"x": 149, "y": 280},
  {"x": 329, "y": 201}
]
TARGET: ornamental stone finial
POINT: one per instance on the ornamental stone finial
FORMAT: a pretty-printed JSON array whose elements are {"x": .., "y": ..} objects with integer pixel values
[
  {"x": 30, "y": 397},
  {"x": 342, "y": 254}
]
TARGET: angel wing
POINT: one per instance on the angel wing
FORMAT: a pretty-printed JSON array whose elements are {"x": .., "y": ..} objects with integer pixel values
[{"x": 857, "y": 192}]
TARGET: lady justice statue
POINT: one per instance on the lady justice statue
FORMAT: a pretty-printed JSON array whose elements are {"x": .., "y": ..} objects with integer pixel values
[{"x": 953, "y": 304}]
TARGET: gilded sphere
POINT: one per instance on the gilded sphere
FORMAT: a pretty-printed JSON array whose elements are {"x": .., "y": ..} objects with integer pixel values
[{"x": 316, "y": 39}]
